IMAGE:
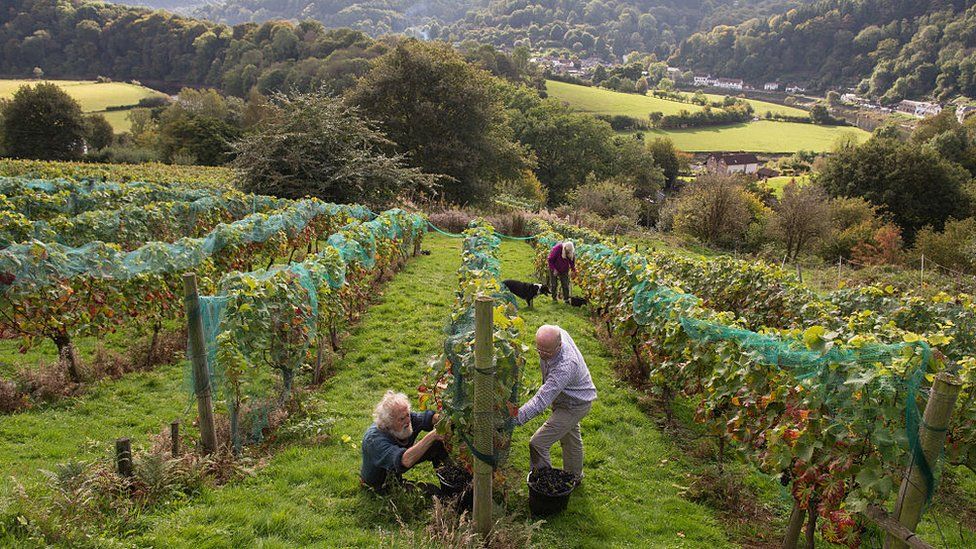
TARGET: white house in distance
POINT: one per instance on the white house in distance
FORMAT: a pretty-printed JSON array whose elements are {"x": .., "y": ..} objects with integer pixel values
[
  {"x": 919, "y": 109},
  {"x": 771, "y": 86},
  {"x": 725, "y": 83},
  {"x": 730, "y": 163},
  {"x": 964, "y": 111},
  {"x": 795, "y": 89},
  {"x": 729, "y": 83}
]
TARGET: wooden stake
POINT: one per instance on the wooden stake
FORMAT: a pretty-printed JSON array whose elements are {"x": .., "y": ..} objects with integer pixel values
[
  {"x": 123, "y": 456},
  {"x": 894, "y": 528},
  {"x": 174, "y": 435},
  {"x": 932, "y": 433},
  {"x": 198, "y": 357},
  {"x": 484, "y": 381}
]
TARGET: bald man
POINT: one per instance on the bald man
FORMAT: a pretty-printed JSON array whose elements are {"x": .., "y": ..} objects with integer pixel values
[{"x": 568, "y": 388}]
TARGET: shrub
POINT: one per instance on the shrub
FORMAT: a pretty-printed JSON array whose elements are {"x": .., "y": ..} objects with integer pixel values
[
  {"x": 852, "y": 222},
  {"x": 715, "y": 209},
  {"x": 954, "y": 247},
  {"x": 606, "y": 199},
  {"x": 452, "y": 221},
  {"x": 885, "y": 248}
]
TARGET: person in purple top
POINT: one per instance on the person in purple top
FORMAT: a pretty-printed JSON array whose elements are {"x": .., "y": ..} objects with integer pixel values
[
  {"x": 568, "y": 388},
  {"x": 562, "y": 259}
]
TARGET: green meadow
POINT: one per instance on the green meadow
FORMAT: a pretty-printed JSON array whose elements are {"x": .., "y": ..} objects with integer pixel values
[
  {"x": 94, "y": 97},
  {"x": 763, "y": 136}
]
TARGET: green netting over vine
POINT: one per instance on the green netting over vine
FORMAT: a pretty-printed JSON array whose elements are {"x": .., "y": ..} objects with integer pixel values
[
  {"x": 38, "y": 264},
  {"x": 849, "y": 384},
  {"x": 450, "y": 381},
  {"x": 261, "y": 325},
  {"x": 160, "y": 220}
]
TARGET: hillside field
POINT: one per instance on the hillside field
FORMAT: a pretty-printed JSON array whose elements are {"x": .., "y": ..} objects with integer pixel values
[
  {"x": 94, "y": 97},
  {"x": 765, "y": 136},
  {"x": 762, "y": 106},
  {"x": 604, "y": 101}
]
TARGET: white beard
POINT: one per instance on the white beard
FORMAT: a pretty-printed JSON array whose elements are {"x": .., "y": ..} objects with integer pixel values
[{"x": 403, "y": 434}]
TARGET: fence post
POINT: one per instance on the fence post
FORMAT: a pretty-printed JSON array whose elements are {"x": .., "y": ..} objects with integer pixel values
[
  {"x": 123, "y": 456},
  {"x": 484, "y": 381},
  {"x": 840, "y": 263},
  {"x": 921, "y": 272},
  {"x": 932, "y": 434},
  {"x": 174, "y": 435},
  {"x": 198, "y": 357}
]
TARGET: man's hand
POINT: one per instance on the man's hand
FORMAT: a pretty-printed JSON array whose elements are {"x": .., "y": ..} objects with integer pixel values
[
  {"x": 415, "y": 452},
  {"x": 435, "y": 418},
  {"x": 513, "y": 410}
]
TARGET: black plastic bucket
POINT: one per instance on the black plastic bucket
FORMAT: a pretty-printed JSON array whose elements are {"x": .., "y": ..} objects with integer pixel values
[
  {"x": 544, "y": 505},
  {"x": 464, "y": 494}
]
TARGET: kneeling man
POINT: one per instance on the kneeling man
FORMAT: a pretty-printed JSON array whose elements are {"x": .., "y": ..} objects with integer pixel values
[
  {"x": 389, "y": 447},
  {"x": 567, "y": 386}
]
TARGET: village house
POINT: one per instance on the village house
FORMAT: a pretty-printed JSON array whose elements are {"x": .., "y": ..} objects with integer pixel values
[
  {"x": 730, "y": 163},
  {"x": 795, "y": 89},
  {"x": 918, "y": 109},
  {"x": 771, "y": 86},
  {"x": 963, "y": 111},
  {"x": 765, "y": 173},
  {"x": 729, "y": 83},
  {"x": 703, "y": 80}
]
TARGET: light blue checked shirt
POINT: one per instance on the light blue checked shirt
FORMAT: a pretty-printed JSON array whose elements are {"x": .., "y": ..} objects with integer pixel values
[{"x": 565, "y": 380}]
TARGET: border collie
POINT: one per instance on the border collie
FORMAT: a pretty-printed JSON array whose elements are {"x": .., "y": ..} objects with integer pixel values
[{"x": 526, "y": 290}]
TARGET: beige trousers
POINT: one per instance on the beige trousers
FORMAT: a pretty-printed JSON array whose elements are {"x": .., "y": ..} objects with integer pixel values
[{"x": 563, "y": 425}]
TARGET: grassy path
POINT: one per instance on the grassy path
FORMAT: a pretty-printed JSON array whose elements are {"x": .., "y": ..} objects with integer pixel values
[
  {"x": 310, "y": 495},
  {"x": 137, "y": 405}
]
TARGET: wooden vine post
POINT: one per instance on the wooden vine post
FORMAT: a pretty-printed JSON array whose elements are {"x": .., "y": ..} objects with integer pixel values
[
  {"x": 484, "y": 381},
  {"x": 931, "y": 436},
  {"x": 123, "y": 456},
  {"x": 174, "y": 437},
  {"x": 198, "y": 357}
]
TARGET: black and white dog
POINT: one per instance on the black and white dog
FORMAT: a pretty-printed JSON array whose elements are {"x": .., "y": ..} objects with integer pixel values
[{"x": 525, "y": 290}]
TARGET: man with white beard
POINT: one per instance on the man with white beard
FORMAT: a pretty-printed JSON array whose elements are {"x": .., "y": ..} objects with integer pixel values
[{"x": 389, "y": 448}]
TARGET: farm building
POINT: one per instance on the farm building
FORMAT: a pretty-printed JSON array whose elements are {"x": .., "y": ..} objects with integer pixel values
[
  {"x": 766, "y": 173},
  {"x": 729, "y": 163},
  {"x": 729, "y": 83},
  {"x": 964, "y": 111},
  {"x": 919, "y": 109},
  {"x": 771, "y": 86}
]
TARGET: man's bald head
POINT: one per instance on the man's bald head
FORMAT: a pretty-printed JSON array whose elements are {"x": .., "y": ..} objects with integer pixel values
[{"x": 548, "y": 339}]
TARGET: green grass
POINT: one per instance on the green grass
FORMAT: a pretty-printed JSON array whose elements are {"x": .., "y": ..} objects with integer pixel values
[
  {"x": 760, "y": 107},
  {"x": 776, "y": 184},
  {"x": 310, "y": 495},
  {"x": 603, "y": 101},
  {"x": 764, "y": 136},
  {"x": 93, "y": 96},
  {"x": 86, "y": 427}
]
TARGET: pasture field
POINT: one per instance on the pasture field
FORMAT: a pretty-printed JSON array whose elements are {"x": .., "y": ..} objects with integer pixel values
[
  {"x": 763, "y": 136},
  {"x": 762, "y": 106},
  {"x": 94, "y": 97},
  {"x": 776, "y": 184},
  {"x": 602, "y": 101}
]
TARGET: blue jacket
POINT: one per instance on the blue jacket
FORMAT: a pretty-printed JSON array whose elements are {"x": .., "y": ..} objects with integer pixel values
[{"x": 383, "y": 453}]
